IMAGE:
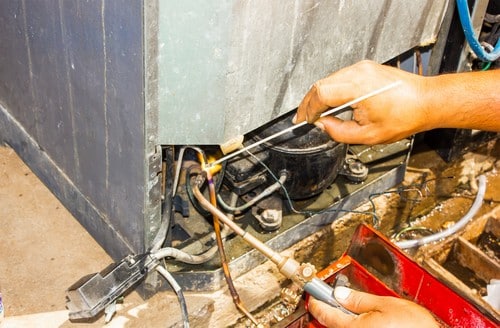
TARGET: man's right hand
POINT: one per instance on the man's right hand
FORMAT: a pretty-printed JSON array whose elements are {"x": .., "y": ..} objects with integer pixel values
[
  {"x": 373, "y": 311},
  {"x": 384, "y": 118}
]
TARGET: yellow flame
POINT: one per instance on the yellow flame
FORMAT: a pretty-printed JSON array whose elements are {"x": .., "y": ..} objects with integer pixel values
[{"x": 212, "y": 169}]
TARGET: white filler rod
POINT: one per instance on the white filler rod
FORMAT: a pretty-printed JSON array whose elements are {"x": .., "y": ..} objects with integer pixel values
[{"x": 293, "y": 127}]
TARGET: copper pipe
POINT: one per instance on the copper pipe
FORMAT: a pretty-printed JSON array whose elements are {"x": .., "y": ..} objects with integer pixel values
[
  {"x": 225, "y": 267},
  {"x": 275, "y": 257}
]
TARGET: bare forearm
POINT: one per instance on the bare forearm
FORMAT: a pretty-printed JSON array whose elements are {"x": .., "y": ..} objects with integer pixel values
[{"x": 463, "y": 100}]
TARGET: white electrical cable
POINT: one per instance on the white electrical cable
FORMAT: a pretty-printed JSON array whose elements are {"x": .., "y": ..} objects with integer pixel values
[
  {"x": 181, "y": 256},
  {"x": 178, "y": 290},
  {"x": 478, "y": 201}
]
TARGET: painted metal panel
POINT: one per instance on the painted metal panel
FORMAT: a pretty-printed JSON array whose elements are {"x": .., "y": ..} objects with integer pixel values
[
  {"x": 72, "y": 81},
  {"x": 226, "y": 67},
  {"x": 15, "y": 84}
]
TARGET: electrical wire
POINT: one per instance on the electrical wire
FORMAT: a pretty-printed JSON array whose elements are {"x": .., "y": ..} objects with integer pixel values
[
  {"x": 399, "y": 191},
  {"x": 206, "y": 256},
  {"x": 486, "y": 67},
  {"x": 301, "y": 274},
  {"x": 275, "y": 257},
  {"x": 156, "y": 250},
  {"x": 476, "y": 205},
  {"x": 375, "y": 219},
  {"x": 266, "y": 192},
  {"x": 290, "y": 202},
  {"x": 465, "y": 20},
  {"x": 181, "y": 256},
  {"x": 218, "y": 234},
  {"x": 285, "y": 191},
  {"x": 408, "y": 229},
  {"x": 178, "y": 291},
  {"x": 279, "y": 182}
]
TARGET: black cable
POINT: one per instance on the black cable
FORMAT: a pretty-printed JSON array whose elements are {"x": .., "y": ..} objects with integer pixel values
[
  {"x": 166, "y": 208},
  {"x": 373, "y": 213},
  {"x": 190, "y": 194}
]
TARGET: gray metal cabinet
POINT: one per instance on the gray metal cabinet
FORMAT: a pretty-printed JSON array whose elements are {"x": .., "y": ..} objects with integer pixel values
[{"x": 90, "y": 90}]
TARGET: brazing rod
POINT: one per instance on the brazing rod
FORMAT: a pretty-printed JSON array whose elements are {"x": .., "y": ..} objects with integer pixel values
[{"x": 296, "y": 126}]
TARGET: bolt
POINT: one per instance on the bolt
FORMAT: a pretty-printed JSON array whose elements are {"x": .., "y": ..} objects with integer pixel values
[
  {"x": 356, "y": 167},
  {"x": 307, "y": 271}
]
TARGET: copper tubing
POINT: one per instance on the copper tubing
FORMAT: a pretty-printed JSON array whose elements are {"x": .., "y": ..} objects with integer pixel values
[
  {"x": 275, "y": 257},
  {"x": 225, "y": 267},
  {"x": 287, "y": 266}
]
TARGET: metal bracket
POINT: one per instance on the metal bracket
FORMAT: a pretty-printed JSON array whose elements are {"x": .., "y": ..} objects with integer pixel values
[
  {"x": 95, "y": 292},
  {"x": 154, "y": 173},
  {"x": 354, "y": 170}
]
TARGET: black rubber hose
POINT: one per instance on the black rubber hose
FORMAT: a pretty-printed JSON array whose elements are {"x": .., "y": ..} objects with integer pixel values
[{"x": 166, "y": 209}]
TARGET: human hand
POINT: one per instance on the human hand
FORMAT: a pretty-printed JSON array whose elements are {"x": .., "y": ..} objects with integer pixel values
[
  {"x": 384, "y": 118},
  {"x": 373, "y": 310}
]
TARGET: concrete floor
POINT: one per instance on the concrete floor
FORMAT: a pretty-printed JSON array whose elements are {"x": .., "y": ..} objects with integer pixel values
[{"x": 44, "y": 250}]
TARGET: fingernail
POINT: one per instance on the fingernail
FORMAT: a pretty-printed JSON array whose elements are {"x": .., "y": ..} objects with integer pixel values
[
  {"x": 342, "y": 293},
  {"x": 294, "y": 119},
  {"x": 320, "y": 125}
]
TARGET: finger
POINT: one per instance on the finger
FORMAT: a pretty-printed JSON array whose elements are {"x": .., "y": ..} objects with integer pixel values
[
  {"x": 302, "y": 109},
  {"x": 358, "y": 302},
  {"x": 329, "y": 316},
  {"x": 315, "y": 105},
  {"x": 324, "y": 94},
  {"x": 349, "y": 132},
  {"x": 332, "y": 92}
]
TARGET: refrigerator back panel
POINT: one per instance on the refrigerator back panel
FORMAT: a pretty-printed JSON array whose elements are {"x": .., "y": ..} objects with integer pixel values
[{"x": 227, "y": 67}]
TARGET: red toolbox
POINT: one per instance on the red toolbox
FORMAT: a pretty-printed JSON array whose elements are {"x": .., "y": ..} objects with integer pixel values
[{"x": 375, "y": 265}]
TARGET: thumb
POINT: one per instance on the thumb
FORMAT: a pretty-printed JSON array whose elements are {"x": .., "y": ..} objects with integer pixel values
[
  {"x": 329, "y": 316},
  {"x": 356, "y": 301}
]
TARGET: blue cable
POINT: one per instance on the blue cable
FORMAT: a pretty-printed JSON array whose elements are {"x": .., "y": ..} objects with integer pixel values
[{"x": 465, "y": 20}]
